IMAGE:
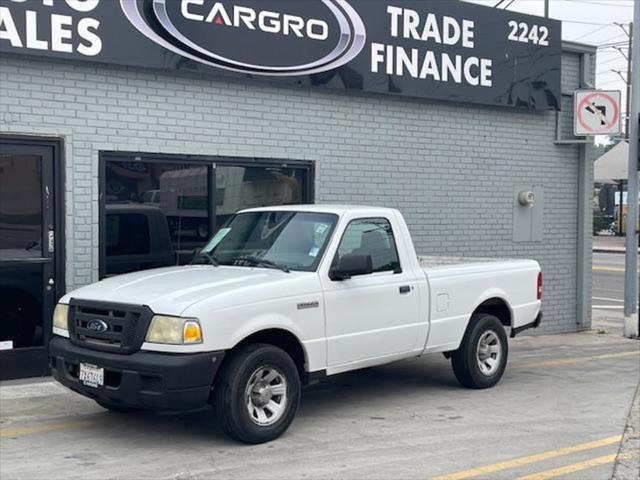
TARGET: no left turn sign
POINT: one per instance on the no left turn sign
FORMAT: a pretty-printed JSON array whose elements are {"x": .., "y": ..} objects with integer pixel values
[{"x": 597, "y": 112}]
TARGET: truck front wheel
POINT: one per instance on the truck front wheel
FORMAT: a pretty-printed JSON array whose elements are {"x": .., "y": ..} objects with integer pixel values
[
  {"x": 482, "y": 357},
  {"x": 257, "y": 393}
]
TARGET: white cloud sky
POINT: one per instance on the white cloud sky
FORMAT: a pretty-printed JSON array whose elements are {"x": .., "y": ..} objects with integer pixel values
[{"x": 599, "y": 17}]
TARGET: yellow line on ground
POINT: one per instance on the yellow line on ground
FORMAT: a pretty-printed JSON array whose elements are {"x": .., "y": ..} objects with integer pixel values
[
  {"x": 573, "y": 360},
  {"x": 518, "y": 462},
  {"x": 13, "y": 432},
  {"x": 572, "y": 468},
  {"x": 608, "y": 269}
]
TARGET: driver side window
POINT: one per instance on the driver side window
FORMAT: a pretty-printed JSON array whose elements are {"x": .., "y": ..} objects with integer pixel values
[{"x": 370, "y": 236}]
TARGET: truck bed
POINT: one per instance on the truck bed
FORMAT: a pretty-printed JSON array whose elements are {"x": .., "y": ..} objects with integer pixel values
[
  {"x": 458, "y": 284},
  {"x": 432, "y": 261}
]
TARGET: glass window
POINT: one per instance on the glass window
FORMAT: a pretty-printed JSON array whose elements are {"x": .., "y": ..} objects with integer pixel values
[
  {"x": 240, "y": 187},
  {"x": 295, "y": 240},
  {"x": 20, "y": 206},
  {"x": 179, "y": 192},
  {"x": 127, "y": 234},
  {"x": 374, "y": 237}
]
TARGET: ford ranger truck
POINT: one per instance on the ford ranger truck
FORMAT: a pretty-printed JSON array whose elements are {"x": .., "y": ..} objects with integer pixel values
[{"x": 278, "y": 298}]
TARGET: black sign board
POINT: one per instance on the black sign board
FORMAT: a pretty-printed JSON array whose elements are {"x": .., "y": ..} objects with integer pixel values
[{"x": 443, "y": 49}]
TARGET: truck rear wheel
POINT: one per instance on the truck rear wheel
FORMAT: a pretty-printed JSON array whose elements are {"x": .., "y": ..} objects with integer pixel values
[
  {"x": 482, "y": 357},
  {"x": 257, "y": 393}
]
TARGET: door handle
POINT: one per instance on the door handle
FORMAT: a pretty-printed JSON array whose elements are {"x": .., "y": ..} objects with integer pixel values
[{"x": 405, "y": 289}]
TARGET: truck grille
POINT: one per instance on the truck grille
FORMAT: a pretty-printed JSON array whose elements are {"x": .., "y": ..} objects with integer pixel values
[{"x": 112, "y": 327}]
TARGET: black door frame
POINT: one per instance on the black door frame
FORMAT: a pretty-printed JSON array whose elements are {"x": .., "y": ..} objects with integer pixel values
[
  {"x": 308, "y": 195},
  {"x": 34, "y": 361}
]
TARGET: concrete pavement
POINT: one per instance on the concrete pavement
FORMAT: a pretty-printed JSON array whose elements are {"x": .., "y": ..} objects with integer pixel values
[
  {"x": 560, "y": 410},
  {"x": 608, "y": 281}
]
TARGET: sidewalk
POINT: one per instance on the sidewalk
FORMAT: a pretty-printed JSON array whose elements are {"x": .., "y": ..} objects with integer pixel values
[
  {"x": 627, "y": 466},
  {"x": 607, "y": 321},
  {"x": 609, "y": 244}
]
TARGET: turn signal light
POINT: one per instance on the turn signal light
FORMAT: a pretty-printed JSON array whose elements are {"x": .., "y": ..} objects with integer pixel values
[{"x": 191, "y": 332}]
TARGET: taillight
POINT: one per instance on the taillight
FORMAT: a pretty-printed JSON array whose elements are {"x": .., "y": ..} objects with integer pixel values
[{"x": 539, "y": 288}]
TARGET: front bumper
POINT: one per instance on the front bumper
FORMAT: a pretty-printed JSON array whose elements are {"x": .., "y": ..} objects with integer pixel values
[{"x": 149, "y": 380}]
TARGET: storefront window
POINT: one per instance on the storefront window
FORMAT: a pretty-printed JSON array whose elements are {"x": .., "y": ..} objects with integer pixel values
[
  {"x": 127, "y": 234},
  {"x": 180, "y": 203},
  {"x": 166, "y": 201},
  {"x": 240, "y": 187}
]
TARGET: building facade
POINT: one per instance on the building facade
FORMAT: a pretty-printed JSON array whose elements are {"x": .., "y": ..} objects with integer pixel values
[{"x": 81, "y": 142}]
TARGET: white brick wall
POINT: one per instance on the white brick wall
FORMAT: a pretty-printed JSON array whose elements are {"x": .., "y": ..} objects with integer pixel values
[{"x": 451, "y": 168}]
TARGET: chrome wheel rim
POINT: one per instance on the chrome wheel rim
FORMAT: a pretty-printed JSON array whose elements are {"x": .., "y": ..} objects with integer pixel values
[
  {"x": 489, "y": 353},
  {"x": 266, "y": 396}
]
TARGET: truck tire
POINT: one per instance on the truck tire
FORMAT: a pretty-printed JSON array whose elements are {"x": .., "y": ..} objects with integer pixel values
[
  {"x": 257, "y": 393},
  {"x": 116, "y": 408},
  {"x": 481, "y": 358}
]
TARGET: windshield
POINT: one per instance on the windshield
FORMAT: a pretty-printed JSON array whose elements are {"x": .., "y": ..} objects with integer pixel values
[{"x": 289, "y": 240}]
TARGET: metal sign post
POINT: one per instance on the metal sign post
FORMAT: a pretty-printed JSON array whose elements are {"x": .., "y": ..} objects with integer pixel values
[{"x": 631, "y": 325}]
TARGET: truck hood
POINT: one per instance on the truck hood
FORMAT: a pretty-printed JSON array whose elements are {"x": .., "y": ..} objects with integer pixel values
[{"x": 171, "y": 290}]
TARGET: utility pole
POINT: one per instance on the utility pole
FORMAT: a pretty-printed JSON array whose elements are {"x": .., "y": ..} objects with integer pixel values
[
  {"x": 626, "y": 129},
  {"x": 631, "y": 321},
  {"x": 628, "y": 80}
]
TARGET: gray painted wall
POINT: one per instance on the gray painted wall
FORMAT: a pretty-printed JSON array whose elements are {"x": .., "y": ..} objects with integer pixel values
[{"x": 450, "y": 168}]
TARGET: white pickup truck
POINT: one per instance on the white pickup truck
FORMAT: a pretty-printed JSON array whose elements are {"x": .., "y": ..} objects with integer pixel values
[{"x": 279, "y": 297}]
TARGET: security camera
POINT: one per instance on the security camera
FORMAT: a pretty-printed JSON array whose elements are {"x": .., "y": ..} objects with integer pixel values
[{"x": 526, "y": 199}]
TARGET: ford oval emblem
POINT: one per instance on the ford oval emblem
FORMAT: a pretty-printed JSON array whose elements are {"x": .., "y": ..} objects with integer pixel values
[
  {"x": 266, "y": 37},
  {"x": 97, "y": 325}
]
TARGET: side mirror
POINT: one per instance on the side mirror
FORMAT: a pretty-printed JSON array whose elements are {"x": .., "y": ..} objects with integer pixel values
[{"x": 351, "y": 265}]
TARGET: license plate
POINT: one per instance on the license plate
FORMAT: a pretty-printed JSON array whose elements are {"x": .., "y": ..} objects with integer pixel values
[{"x": 91, "y": 375}]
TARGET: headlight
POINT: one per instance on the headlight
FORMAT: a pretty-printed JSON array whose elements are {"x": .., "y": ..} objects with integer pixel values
[
  {"x": 61, "y": 316},
  {"x": 174, "y": 330}
]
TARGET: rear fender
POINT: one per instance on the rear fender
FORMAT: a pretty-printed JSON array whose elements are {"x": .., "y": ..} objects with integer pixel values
[{"x": 492, "y": 293}]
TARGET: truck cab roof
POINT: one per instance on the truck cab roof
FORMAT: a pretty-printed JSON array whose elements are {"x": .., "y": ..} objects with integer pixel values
[{"x": 338, "y": 209}]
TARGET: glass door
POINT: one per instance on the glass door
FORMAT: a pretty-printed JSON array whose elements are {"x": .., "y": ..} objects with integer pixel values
[{"x": 27, "y": 254}]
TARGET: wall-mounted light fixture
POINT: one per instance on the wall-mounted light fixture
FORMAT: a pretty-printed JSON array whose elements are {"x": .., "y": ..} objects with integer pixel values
[{"x": 526, "y": 199}]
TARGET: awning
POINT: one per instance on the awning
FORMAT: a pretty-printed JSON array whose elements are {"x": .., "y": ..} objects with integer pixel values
[{"x": 612, "y": 166}]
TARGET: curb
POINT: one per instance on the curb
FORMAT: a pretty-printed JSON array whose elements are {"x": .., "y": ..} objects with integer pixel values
[
  {"x": 609, "y": 250},
  {"x": 627, "y": 464}
]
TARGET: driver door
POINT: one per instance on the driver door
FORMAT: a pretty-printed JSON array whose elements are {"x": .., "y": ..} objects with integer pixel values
[{"x": 372, "y": 315}]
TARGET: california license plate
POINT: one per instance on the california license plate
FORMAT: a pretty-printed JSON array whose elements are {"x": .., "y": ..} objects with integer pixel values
[{"x": 91, "y": 375}]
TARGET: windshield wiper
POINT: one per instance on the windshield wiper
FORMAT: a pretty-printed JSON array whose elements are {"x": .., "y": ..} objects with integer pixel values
[
  {"x": 206, "y": 255},
  {"x": 267, "y": 263}
]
